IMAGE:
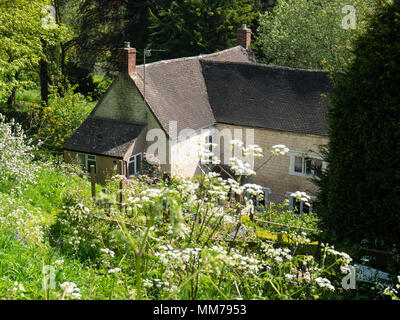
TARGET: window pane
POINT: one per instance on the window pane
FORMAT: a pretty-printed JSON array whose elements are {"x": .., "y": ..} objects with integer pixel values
[
  {"x": 131, "y": 168},
  {"x": 298, "y": 164},
  {"x": 81, "y": 159},
  {"x": 138, "y": 163},
  {"x": 308, "y": 164}
]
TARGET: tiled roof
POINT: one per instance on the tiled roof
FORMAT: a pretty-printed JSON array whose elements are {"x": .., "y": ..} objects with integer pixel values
[
  {"x": 104, "y": 137},
  {"x": 270, "y": 97},
  {"x": 176, "y": 91},
  {"x": 230, "y": 87}
]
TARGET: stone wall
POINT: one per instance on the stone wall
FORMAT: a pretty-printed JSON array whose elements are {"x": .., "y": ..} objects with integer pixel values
[{"x": 275, "y": 174}]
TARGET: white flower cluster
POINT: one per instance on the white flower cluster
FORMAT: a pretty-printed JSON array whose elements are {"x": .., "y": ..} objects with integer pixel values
[
  {"x": 238, "y": 166},
  {"x": 279, "y": 149},
  {"x": 15, "y": 154},
  {"x": 182, "y": 232},
  {"x": 19, "y": 288},
  {"x": 25, "y": 222},
  {"x": 245, "y": 264},
  {"x": 218, "y": 193},
  {"x": 157, "y": 283},
  {"x": 253, "y": 150},
  {"x": 187, "y": 187},
  {"x": 169, "y": 255},
  {"x": 342, "y": 255},
  {"x": 241, "y": 168},
  {"x": 108, "y": 252},
  {"x": 301, "y": 196},
  {"x": 58, "y": 263},
  {"x": 346, "y": 269},
  {"x": 277, "y": 254},
  {"x": 115, "y": 270},
  {"x": 148, "y": 196},
  {"x": 324, "y": 283},
  {"x": 253, "y": 189},
  {"x": 236, "y": 142},
  {"x": 70, "y": 290}
]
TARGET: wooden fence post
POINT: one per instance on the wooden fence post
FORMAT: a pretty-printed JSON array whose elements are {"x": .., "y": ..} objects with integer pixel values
[{"x": 93, "y": 181}]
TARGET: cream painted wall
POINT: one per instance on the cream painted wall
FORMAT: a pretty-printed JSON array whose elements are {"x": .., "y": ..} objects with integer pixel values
[
  {"x": 105, "y": 165},
  {"x": 185, "y": 157}
]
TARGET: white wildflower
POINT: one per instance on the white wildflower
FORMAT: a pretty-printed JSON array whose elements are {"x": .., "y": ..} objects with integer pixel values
[
  {"x": 279, "y": 149},
  {"x": 70, "y": 290},
  {"x": 324, "y": 283},
  {"x": 116, "y": 270}
]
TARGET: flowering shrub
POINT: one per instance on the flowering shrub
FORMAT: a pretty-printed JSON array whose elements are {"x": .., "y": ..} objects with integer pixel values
[{"x": 16, "y": 165}]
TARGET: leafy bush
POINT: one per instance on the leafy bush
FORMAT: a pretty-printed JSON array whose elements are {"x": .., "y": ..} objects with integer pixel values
[
  {"x": 57, "y": 122},
  {"x": 359, "y": 196},
  {"x": 308, "y": 34}
]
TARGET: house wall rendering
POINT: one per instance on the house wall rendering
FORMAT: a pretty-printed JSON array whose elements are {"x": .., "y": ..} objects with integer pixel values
[{"x": 185, "y": 158}]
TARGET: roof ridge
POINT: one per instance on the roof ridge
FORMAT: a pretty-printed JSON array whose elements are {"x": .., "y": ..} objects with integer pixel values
[
  {"x": 266, "y": 66},
  {"x": 199, "y": 57}
]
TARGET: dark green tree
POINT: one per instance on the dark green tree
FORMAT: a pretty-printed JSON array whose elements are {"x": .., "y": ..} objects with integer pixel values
[
  {"x": 104, "y": 26},
  {"x": 360, "y": 191},
  {"x": 192, "y": 27}
]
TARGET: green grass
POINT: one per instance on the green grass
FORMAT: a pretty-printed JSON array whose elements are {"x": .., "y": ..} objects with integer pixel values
[
  {"x": 52, "y": 187},
  {"x": 23, "y": 260},
  {"x": 23, "y": 263},
  {"x": 29, "y": 96}
]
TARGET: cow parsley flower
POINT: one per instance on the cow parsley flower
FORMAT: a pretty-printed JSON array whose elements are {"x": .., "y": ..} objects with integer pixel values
[
  {"x": 279, "y": 149},
  {"x": 115, "y": 270},
  {"x": 324, "y": 283},
  {"x": 70, "y": 290},
  {"x": 108, "y": 252}
]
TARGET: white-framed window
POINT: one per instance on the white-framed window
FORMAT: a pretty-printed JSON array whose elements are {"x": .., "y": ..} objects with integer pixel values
[
  {"x": 135, "y": 164},
  {"x": 299, "y": 207},
  {"x": 208, "y": 140},
  {"x": 86, "y": 160},
  {"x": 305, "y": 164},
  {"x": 260, "y": 202}
]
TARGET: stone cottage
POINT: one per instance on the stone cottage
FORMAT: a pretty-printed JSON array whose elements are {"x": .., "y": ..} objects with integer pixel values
[{"x": 227, "y": 92}]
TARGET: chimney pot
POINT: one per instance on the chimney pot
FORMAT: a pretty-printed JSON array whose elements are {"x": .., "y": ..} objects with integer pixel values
[
  {"x": 127, "y": 59},
  {"x": 244, "y": 36}
]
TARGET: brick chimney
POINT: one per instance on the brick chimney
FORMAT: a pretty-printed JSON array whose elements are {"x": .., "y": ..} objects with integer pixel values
[
  {"x": 244, "y": 36},
  {"x": 127, "y": 59}
]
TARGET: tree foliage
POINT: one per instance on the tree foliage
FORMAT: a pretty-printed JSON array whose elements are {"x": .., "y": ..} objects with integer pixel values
[
  {"x": 360, "y": 190},
  {"x": 309, "y": 34},
  {"x": 22, "y": 41},
  {"x": 190, "y": 27}
]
